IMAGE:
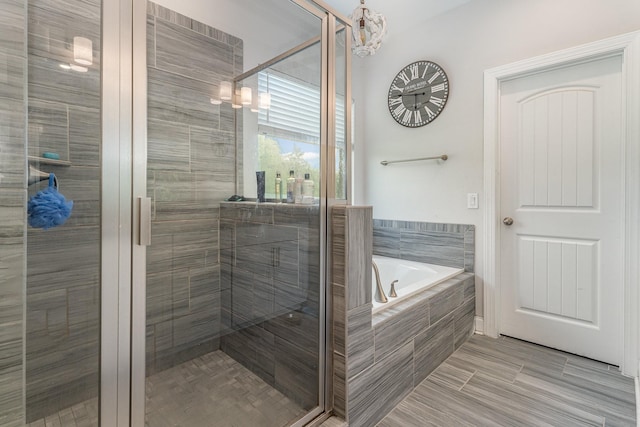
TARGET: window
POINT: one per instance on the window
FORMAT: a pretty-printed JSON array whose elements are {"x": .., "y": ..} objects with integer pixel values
[{"x": 289, "y": 131}]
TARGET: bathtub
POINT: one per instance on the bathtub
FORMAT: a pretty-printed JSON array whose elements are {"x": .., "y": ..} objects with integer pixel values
[{"x": 413, "y": 277}]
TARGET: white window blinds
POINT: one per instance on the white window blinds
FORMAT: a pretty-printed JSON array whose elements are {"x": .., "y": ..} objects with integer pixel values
[{"x": 295, "y": 110}]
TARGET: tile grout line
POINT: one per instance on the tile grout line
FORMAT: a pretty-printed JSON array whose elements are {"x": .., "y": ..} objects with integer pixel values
[{"x": 468, "y": 379}]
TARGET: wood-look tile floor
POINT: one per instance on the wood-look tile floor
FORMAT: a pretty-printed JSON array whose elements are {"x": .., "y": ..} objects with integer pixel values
[
  {"x": 508, "y": 382},
  {"x": 211, "y": 390}
]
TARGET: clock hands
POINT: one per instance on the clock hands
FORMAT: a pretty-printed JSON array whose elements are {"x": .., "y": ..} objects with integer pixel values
[{"x": 410, "y": 93}]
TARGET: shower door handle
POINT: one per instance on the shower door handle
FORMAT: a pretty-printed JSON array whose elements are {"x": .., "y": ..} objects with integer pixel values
[{"x": 144, "y": 221}]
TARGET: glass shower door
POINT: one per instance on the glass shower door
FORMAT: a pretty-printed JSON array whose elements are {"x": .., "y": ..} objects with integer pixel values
[
  {"x": 53, "y": 348},
  {"x": 233, "y": 317}
]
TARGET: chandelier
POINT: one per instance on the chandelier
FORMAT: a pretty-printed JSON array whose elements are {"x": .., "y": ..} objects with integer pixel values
[{"x": 369, "y": 28}]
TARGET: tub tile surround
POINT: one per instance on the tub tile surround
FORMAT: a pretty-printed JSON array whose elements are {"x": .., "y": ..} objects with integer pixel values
[
  {"x": 452, "y": 245},
  {"x": 379, "y": 359}
]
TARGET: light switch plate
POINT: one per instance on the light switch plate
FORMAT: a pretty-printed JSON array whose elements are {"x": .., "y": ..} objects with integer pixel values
[{"x": 472, "y": 200}]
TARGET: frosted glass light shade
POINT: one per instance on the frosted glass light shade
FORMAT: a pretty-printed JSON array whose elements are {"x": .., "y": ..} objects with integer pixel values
[
  {"x": 226, "y": 89},
  {"x": 265, "y": 101},
  {"x": 236, "y": 102},
  {"x": 82, "y": 50},
  {"x": 215, "y": 101},
  {"x": 245, "y": 96}
]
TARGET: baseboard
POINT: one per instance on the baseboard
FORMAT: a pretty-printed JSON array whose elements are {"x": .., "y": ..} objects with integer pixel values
[
  {"x": 479, "y": 325},
  {"x": 637, "y": 384}
]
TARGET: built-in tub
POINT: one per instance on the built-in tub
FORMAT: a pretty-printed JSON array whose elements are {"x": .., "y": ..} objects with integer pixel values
[{"x": 413, "y": 277}]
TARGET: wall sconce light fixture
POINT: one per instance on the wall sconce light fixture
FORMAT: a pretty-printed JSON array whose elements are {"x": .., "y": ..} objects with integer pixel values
[
  {"x": 245, "y": 95},
  {"x": 264, "y": 101},
  {"x": 254, "y": 105},
  {"x": 236, "y": 102},
  {"x": 226, "y": 90},
  {"x": 82, "y": 51}
]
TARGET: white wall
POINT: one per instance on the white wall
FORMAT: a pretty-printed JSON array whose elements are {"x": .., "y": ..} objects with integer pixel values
[{"x": 465, "y": 41}]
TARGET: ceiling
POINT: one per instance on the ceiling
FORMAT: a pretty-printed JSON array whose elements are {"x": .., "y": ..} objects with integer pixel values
[{"x": 400, "y": 14}]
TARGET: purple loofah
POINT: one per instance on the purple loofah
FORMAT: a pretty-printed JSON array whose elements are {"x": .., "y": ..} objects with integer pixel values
[{"x": 48, "y": 208}]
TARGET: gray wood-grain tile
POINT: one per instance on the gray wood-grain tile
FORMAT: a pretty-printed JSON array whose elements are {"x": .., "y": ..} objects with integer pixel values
[
  {"x": 507, "y": 382},
  {"x": 12, "y": 202},
  {"x": 436, "y": 243},
  {"x": 210, "y": 390},
  {"x": 378, "y": 389},
  {"x": 360, "y": 339},
  {"x": 334, "y": 422}
]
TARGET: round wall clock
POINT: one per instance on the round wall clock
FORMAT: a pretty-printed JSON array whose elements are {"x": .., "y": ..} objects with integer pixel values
[{"x": 418, "y": 94}]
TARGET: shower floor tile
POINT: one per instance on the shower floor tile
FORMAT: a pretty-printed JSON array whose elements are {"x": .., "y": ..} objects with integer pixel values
[
  {"x": 212, "y": 390},
  {"x": 83, "y": 414},
  {"x": 215, "y": 390}
]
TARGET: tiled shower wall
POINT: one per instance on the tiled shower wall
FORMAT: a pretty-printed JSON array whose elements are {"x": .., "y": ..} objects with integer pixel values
[
  {"x": 12, "y": 202},
  {"x": 191, "y": 169},
  {"x": 452, "y": 245},
  {"x": 270, "y": 286},
  {"x": 63, "y": 263}
]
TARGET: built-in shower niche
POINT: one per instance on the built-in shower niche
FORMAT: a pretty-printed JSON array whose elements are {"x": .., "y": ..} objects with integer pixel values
[
  {"x": 48, "y": 131},
  {"x": 269, "y": 284}
]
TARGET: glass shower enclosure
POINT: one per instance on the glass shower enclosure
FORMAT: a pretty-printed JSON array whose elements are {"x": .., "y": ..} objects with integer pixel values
[{"x": 162, "y": 301}]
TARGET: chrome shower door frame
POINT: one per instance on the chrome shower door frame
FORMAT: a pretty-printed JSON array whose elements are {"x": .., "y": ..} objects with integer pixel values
[
  {"x": 125, "y": 124},
  {"x": 116, "y": 244}
]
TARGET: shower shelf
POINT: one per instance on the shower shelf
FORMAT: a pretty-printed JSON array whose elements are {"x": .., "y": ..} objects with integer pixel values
[{"x": 45, "y": 161}]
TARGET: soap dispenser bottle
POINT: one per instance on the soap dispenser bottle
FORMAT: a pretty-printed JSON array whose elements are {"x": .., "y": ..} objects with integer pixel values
[
  {"x": 307, "y": 190},
  {"x": 291, "y": 183},
  {"x": 278, "y": 188}
]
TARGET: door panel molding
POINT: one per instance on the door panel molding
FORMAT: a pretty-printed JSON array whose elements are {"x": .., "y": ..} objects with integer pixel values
[{"x": 627, "y": 46}]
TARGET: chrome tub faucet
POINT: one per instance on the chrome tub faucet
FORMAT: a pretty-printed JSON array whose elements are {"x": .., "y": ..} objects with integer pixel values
[{"x": 380, "y": 296}]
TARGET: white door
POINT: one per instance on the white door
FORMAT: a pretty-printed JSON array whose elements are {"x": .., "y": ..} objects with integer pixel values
[{"x": 562, "y": 184}]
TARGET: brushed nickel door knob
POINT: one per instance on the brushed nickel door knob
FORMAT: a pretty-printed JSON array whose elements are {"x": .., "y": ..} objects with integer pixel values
[{"x": 507, "y": 220}]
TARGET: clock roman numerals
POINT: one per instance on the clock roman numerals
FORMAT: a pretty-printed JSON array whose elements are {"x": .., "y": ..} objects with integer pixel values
[
  {"x": 430, "y": 113},
  {"x": 418, "y": 94},
  {"x": 395, "y": 101},
  {"x": 434, "y": 77},
  {"x": 414, "y": 70},
  {"x": 406, "y": 118},
  {"x": 417, "y": 117},
  {"x": 424, "y": 73},
  {"x": 399, "y": 110},
  {"x": 436, "y": 101},
  {"x": 403, "y": 76},
  {"x": 437, "y": 88}
]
